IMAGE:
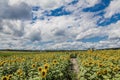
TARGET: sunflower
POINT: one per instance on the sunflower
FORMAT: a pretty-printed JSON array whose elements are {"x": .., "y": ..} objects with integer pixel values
[
  {"x": 19, "y": 72},
  {"x": 46, "y": 66},
  {"x": 4, "y": 78},
  {"x": 116, "y": 69},
  {"x": 45, "y": 61},
  {"x": 105, "y": 71},
  {"x": 10, "y": 76},
  {"x": 53, "y": 64},
  {"x": 2, "y": 63},
  {"x": 55, "y": 61},
  {"x": 33, "y": 65},
  {"x": 100, "y": 65},
  {"x": 43, "y": 73},
  {"x": 39, "y": 69},
  {"x": 99, "y": 73}
]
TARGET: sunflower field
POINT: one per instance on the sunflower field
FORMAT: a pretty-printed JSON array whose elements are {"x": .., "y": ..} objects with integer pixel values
[
  {"x": 32, "y": 66},
  {"x": 92, "y": 65},
  {"x": 99, "y": 65}
]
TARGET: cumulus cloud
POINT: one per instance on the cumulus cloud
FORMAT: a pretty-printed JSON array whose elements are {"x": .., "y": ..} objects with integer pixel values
[
  {"x": 92, "y": 2},
  {"x": 45, "y": 4},
  {"x": 11, "y": 27},
  {"x": 93, "y": 32},
  {"x": 20, "y": 11},
  {"x": 33, "y": 33},
  {"x": 113, "y": 8},
  {"x": 113, "y": 31},
  {"x": 55, "y": 31}
]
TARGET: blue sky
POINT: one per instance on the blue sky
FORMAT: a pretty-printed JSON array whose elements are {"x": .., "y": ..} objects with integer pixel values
[{"x": 63, "y": 24}]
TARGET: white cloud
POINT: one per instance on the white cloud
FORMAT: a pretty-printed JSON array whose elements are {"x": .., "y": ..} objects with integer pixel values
[
  {"x": 12, "y": 27},
  {"x": 45, "y": 4},
  {"x": 57, "y": 31},
  {"x": 113, "y": 31},
  {"x": 113, "y": 8},
  {"x": 93, "y": 32},
  {"x": 92, "y": 2},
  {"x": 20, "y": 11}
]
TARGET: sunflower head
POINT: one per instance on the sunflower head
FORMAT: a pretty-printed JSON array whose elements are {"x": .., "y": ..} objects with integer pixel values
[
  {"x": 105, "y": 71},
  {"x": 10, "y": 76},
  {"x": 53, "y": 64},
  {"x": 43, "y": 73},
  {"x": 39, "y": 69},
  {"x": 55, "y": 61},
  {"x": 46, "y": 66},
  {"x": 2, "y": 63},
  {"x": 4, "y": 78},
  {"x": 33, "y": 65},
  {"x": 99, "y": 73},
  {"x": 116, "y": 69},
  {"x": 45, "y": 61},
  {"x": 100, "y": 65},
  {"x": 19, "y": 72}
]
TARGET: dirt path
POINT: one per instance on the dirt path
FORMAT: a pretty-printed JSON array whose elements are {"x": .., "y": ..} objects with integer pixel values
[{"x": 75, "y": 66}]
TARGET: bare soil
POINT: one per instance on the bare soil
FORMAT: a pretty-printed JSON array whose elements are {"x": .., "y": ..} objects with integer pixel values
[{"x": 75, "y": 66}]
